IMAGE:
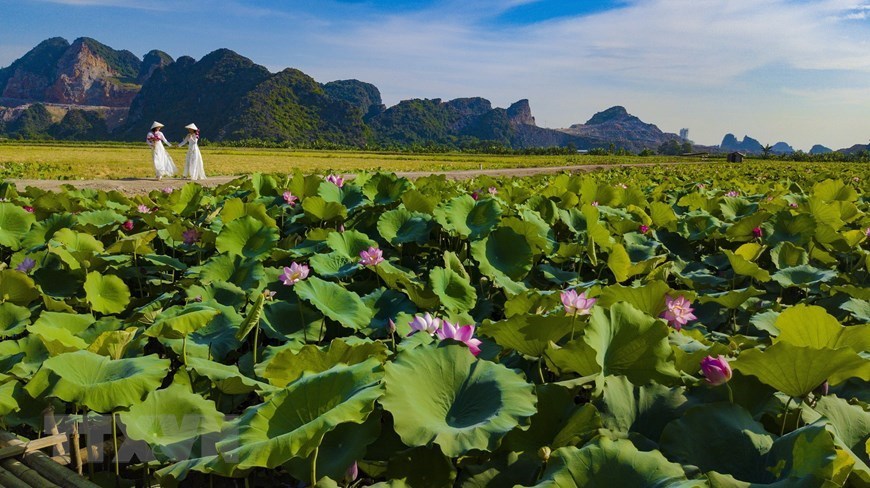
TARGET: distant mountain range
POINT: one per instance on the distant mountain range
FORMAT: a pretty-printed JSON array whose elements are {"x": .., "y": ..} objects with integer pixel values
[{"x": 89, "y": 91}]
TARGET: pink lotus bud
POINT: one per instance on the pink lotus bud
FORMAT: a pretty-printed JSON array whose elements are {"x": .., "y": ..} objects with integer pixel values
[
  {"x": 716, "y": 370},
  {"x": 128, "y": 225}
]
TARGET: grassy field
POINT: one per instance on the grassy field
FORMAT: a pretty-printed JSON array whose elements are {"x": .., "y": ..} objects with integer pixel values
[{"x": 69, "y": 161}]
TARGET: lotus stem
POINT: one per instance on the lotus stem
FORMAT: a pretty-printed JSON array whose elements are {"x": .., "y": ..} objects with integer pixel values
[
  {"x": 115, "y": 445},
  {"x": 730, "y": 393},
  {"x": 573, "y": 319},
  {"x": 314, "y": 466},
  {"x": 256, "y": 339},
  {"x": 784, "y": 417},
  {"x": 302, "y": 322},
  {"x": 541, "y": 369},
  {"x": 184, "y": 350},
  {"x": 322, "y": 325}
]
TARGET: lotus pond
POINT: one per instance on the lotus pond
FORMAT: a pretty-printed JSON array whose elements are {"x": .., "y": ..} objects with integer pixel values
[{"x": 699, "y": 327}]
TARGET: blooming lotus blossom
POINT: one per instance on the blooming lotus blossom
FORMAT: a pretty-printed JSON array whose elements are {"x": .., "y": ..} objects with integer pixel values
[
  {"x": 717, "y": 371},
  {"x": 168, "y": 190},
  {"x": 595, "y": 203},
  {"x": 793, "y": 205},
  {"x": 371, "y": 257},
  {"x": 294, "y": 273},
  {"x": 290, "y": 199},
  {"x": 577, "y": 304},
  {"x": 678, "y": 311},
  {"x": 335, "y": 180},
  {"x": 493, "y": 190},
  {"x": 143, "y": 208},
  {"x": 701, "y": 186},
  {"x": 733, "y": 193},
  {"x": 757, "y": 232},
  {"x": 128, "y": 225},
  {"x": 644, "y": 229},
  {"x": 461, "y": 333},
  {"x": 475, "y": 195},
  {"x": 28, "y": 208},
  {"x": 26, "y": 265},
  {"x": 191, "y": 236},
  {"x": 426, "y": 323}
]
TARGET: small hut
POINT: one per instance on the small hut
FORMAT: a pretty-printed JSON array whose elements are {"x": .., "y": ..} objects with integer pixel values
[{"x": 736, "y": 157}]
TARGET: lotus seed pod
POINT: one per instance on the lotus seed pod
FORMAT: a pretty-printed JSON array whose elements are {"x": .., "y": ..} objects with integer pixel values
[{"x": 544, "y": 453}]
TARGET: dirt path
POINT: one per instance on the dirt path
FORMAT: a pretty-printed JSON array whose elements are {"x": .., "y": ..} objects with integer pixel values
[{"x": 145, "y": 185}]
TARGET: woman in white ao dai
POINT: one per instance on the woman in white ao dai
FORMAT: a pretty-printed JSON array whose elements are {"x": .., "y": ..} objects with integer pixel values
[
  {"x": 193, "y": 166},
  {"x": 163, "y": 164}
]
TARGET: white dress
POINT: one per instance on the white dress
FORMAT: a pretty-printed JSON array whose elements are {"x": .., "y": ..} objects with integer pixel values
[
  {"x": 163, "y": 164},
  {"x": 193, "y": 166}
]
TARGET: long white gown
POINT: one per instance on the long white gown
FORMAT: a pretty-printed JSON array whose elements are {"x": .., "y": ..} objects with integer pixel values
[
  {"x": 193, "y": 166},
  {"x": 163, "y": 164}
]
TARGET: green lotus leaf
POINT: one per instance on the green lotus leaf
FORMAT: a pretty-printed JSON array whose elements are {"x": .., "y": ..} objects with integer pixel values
[
  {"x": 406, "y": 282},
  {"x": 171, "y": 421},
  {"x": 785, "y": 227},
  {"x": 187, "y": 200},
  {"x": 401, "y": 226},
  {"x": 106, "y": 293},
  {"x": 349, "y": 195},
  {"x": 468, "y": 218},
  {"x": 530, "y": 334},
  {"x": 736, "y": 208},
  {"x": 22, "y": 358},
  {"x": 416, "y": 201},
  {"x": 504, "y": 256},
  {"x": 178, "y": 321},
  {"x": 283, "y": 321},
  {"x": 319, "y": 209},
  {"x": 222, "y": 292},
  {"x": 134, "y": 244},
  {"x": 252, "y": 319},
  {"x": 834, "y": 190},
  {"x": 349, "y": 243},
  {"x": 113, "y": 344},
  {"x": 293, "y": 421},
  {"x": 787, "y": 255},
  {"x": 343, "y": 306},
  {"x": 214, "y": 341},
  {"x": 796, "y": 371},
  {"x": 385, "y": 188},
  {"x": 235, "y": 208},
  {"x": 731, "y": 299},
  {"x": 538, "y": 233},
  {"x": 698, "y": 226},
  {"x": 98, "y": 222},
  {"x": 226, "y": 378},
  {"x": 386, "y": 305},
  {"x": 610, "y": 463},
  {"x": 719, "y": 437},
  {"x": 622, "y": 267},
  {"x": 646, "y": 410},
  {"x": 42, "y": 231},
  {"x": 13, "y": 319},
  {"x": 649, "y": 298},
  {"x": 245, "y": 273},
  {"x": 287, "y": 366},
  {"x": 803, "y": 276},
  {"x": 62, "y": 332},
  {"x": 246, "y": 237},
  {"x": 559, "y": 422},
  {"x": 8, "y": 404},
  {"x": 811, "y": 326},
  {"x": 454, "y": 291},
  {"x": 16, "y": 287},
  {"x": 80, "y": 244},
  {"x": 15, "y": 222},
  {"x": 860, "y": 309},
  {"x": 742, "y": 266},
  {"x": 97, "y": 382},
  {"x": 419, "y": 466},
  {"x": 851, "y": 425},
  {"x": 447, "y": 396},
  {"x": 809, "y": 452}
]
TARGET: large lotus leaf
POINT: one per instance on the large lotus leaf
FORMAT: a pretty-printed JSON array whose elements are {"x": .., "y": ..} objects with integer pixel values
[
  {"x": 16, "y": 287},
  {"x": 13, "y": 319},
  {"x": 859, "y": 309},
  {"x": 787, "y": 255},
  {"x": 649, "y": 298},
  {"x": 283, "y": 321},
  {"x": 106, "y": 293},
  {"x": 834, "y": 190},
  {"x": 81, "y": 244},
  {"x": 468, "y": 218},
  {"x": 529, "y": 334},
  {"x": 454, "y": 291},
  {"x": 114, "y": 343},
  {"x": 178, "y": 321},
  {"x": 22, "y": 358},
  {"x": 851, "y": 423},
  {"x": 504, "y": 256},
  {"x": 401, "y": 226},
  {"x": 803, "y": 276},
  {"x": 226, "y": 378},
  {"x": 134, "y": 244},
  {"x": 235, "y": 208},
  {"x": 406, "y": 282},
  {"x": 222, "y": 292},
  {"x": 386, "y": 305},
  {"x": 319, "y": 209},
  {"x": 620, "y": 264},
  {"x": 736, "y": 208},
  {"x": 171, "y": 420},
  {"x": 98, "y": 222},
  {"x": 97, "y": 382},
  {"x": 785, "y": 227},
  {"x": 607, "y": 463},
  {"x": 8, "y": 404},
  {"x": 809, "y": 452},
  {"x": 61, "y": 332},
  {"x": 349, "y": 195},
  {"x": 796, "y": 371},
  {"x": 214, "y": 341},
  {"x": 646, "y": 410},
  {"x": 744, "y": 267},
  {"x": 245, "y": 273},
  {"x": 287, "y": 366},
  {"x": 349, "y": 243},
  {"x": 625, "y": 341},
  {"x": 559, "y": 422},
  {"x": 538, "y": 234},
  {"x": 186, "y": 200},
  {"x": 698, "y": 226},
  {"x": 293, "y": 421},
  {"x": 343, "y": 306},
  {"x": 731, "y": 299},
  {"x": 246, "y": 237},
  {"x": 812, "y": 326},
  {"x": 15, "y": 222},
  {"x": 719, "y": 437},
  {"x": 42, "y": 231},
  {"x": 447, "y": 396}
]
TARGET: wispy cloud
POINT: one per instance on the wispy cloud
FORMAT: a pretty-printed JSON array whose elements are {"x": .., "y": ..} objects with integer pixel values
[{"x": 151, "y": 5}]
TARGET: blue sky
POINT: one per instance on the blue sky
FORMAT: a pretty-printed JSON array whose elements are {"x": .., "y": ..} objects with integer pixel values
[{"x": 778, "y": 70}]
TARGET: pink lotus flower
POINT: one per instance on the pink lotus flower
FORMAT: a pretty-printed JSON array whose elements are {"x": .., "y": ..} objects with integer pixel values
[
  {"x": 461, "y": 333},
  {"x": 335, "y": 180},
  {"x": 733, "y": 193},
  {"x": 493, "y": 190},
  {"x": 475, "y": 195},
  {"x": 290, "y": 199},
  {"x": 678, "y": 312},
  {"x": 793, "y": 205},
  {"x": 426, "y": 323},
  {"x": 143, "y": 208},
  {"x": 757, "y": 232},
  {"x": 701, "y": 186},
  {"x": 371, "y": 257},
  {"x": 294, "y": 273},
  {"x": 26, "y": 265},
  {"x": 644, "y": 229},
  {"x": 128, "y": 225},
  {"x": 716, "y": 370},
  {"x": 595, "y": 203},
  {"x": 391, "y": 326},
  {"x": 168, "y": 190},
  {"x": 577, "y": 304},
  {"x": 867, "y": 232},
  {"x": 28, "y": 208},
  {"x": 351, "y": 473},
  {"x": 190, "y": 236}
]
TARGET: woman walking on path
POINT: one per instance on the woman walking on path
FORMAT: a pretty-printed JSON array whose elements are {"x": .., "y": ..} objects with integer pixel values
[
  {"x": 193, "y": 167},
  {"x": 163, "y": 165}
]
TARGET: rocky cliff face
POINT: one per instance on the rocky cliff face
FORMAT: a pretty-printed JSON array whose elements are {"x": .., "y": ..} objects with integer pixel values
[
  {"x": 747, "y": 145},
  {"x": 616, "y": 126}
]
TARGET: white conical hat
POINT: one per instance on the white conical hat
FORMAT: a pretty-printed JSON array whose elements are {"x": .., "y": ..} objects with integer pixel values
[
  {"x": 156, "y": 125},
  {"x": 191, "y": 126}
]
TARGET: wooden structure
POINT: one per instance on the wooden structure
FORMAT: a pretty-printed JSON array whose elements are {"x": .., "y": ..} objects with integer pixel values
[
  {"x": 736, "y": 157},
  {"x": 24, "y": 465}
]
